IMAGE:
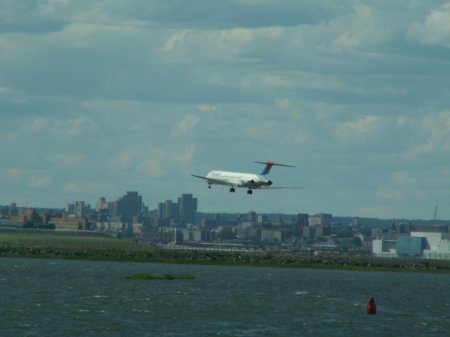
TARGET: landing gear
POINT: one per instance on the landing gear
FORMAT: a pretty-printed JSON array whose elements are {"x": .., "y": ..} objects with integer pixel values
[
  {"x": 232, "y": 189},
  {"x": 249, "y": 192},
  {"x": 209, "y": 186}
]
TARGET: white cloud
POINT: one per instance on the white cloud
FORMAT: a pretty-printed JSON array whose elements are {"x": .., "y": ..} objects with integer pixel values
[
  {"x": 380, "y": 211},
  {"x": 71, "y": 187},
  {"x": 125, "y": 159},
  {"x": 11, "y": 174},
  {"x": 435, "y": 30},
  {"x": 90, "y": 35},
  {"x": 265, "y": 81},
  {"x": 206, "y": 108},
  {"x": 435, "y": 136},
  {"x": 361, "y": 28},
  {"x": 66, "y": 159},
  {"x": 358, "y": 130},
  {"x": 175, "y": 40},
  {"x": 6, "y": 90},
  {"x": 73, "y": 127},
  {"x": 21, "y": 177},
  {"x": 50, "y": 128},
  {"x": 187, "y": 46},
  {"x": 39, "y": 180},
  {"x": 181, "y": 127},
  {"x": 151, "y": 166},
  {"x": 390, "y": 193},
  {"x": 26, "y": 128},
  {"x": 402, "y": 178},
  {"x": 38, "y": 125}
]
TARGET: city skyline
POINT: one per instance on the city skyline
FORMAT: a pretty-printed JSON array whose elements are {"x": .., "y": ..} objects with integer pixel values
[
  {"x": 100, "y": 99},
  {"x": 75, "y": 206}
]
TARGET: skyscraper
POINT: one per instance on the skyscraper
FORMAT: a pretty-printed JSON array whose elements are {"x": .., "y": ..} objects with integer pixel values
[
  {"x": 323, "y": 219},
  {"x": 128, "y": 206},
  {"x": 187, "y": 206}
]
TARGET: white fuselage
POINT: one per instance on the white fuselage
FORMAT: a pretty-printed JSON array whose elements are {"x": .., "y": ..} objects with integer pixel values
[{"x": 237, "y": 179}]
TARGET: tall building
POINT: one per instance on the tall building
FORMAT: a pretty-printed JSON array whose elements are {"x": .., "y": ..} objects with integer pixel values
[
  {"x": 187, "y": 208},
  {"x": 13, "y": 210},
  {"x": 171, "y": 210},
  {"x": 182, "y": 212},
  {"x": 69, "y": 208},
  {"x": 78, "y": 208},
  {"x": 251, "y": 216},
  {"x": 302, "y": 219},
  {"x": 104, "y": 209},
  {"x": 81, "y": 209},
  {"x": 128, "y": 206},
  {"x": 168, "y": 210},
  {"x": 301, "y": 222},
  {"x": 101, "y": 204},
  {"x": 160, "y": 212},
  {"x": 323, "y": 219}
]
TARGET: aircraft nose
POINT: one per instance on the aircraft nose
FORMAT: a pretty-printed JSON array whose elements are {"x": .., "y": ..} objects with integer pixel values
[{"x": 269, "y": 183}]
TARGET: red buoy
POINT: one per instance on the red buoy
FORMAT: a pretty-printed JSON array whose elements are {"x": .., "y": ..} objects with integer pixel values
[{"x": 371, "y": 307}]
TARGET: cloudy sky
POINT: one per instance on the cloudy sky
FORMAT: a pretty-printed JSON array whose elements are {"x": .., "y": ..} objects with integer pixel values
[{"x": 102, "y": 97}]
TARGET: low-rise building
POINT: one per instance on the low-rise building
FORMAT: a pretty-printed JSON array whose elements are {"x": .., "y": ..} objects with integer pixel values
[
  {"x": 69, "y": 224},
  {"x": 384, "y": 248},
  {"x": 113, "y": 225},
  {"x": 271, "y": 236},
  {"x": 197, "y": 235}
]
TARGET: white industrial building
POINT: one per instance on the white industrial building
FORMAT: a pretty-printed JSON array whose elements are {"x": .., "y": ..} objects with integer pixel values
[
  {"x": 384, "y": 248},
  {"x": 435, "y": 246}
]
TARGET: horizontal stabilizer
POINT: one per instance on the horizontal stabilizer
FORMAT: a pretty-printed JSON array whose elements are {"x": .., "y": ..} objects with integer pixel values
[
  {"x": 269, "y": 165},
  {"x": 272, "y": 163}
]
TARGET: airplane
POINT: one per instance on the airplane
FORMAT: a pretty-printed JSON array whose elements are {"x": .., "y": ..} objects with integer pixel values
[{"x": 250, "y": 181}]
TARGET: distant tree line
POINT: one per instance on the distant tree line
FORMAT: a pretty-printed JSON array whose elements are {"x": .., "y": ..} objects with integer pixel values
[{"x": 38, "y": 225}]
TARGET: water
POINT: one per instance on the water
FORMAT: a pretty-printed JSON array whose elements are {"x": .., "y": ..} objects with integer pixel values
[{"x": 80, "y": 298}]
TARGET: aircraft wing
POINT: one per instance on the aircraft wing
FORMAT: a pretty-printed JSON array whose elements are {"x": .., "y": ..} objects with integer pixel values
[
  {"x": 215, "y": 181},
  {"x": 196, "y": 176},
  {"x": 271, "y": 187}
]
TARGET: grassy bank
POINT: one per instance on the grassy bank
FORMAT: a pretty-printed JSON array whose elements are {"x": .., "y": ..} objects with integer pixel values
[{"x": 110, "y": 249}]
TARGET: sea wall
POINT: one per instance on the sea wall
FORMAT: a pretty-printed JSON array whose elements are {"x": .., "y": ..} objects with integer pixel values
[{"x": 273, "y": 259}]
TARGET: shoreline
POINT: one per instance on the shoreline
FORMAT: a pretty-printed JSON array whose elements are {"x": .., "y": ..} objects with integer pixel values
[{"x": 260, "y": 259}]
